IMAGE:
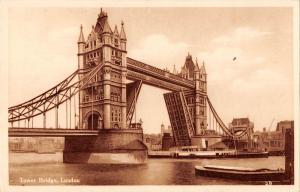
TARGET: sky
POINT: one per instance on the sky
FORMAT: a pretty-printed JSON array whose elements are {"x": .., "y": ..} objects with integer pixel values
[{"x": 258, "y": 84}]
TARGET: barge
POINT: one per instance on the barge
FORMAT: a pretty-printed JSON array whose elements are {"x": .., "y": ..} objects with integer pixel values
[{"x": 240, "y": 173}]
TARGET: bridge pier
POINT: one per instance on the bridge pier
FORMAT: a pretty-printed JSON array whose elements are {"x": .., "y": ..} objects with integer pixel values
[
  {"x": 204, "y": 141},
  {"x": 109, "y": 146}
]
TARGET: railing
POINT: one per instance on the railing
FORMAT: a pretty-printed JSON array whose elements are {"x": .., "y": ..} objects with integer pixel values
[{"x": 51, "y": 98}]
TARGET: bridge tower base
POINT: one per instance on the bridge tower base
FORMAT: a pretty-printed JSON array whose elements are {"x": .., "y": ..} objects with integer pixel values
[
  {"x": 111, "y": 146},
  {"x": 205, "y": 141}
]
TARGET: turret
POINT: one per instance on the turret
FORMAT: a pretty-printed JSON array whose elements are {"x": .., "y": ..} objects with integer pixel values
[
  {"x": 116, "y": 32},
  {"x": 123, "y": 41},
  {"x": 123, "y": 38},
  {"x": 81, "y": 43},
  {"x": 202, "y": 69},
  {"x": 106, "y": 33},
  {"x": 203, "y": 76},
  {"x": 197, "y": 75},
  {"x": 162, "y": 129},
  {"x": 197, "y": 99},
  {"x": 174, "y": 70},
  {"x": 81, "y": 36},
  {"x": 80, "y": 56}
]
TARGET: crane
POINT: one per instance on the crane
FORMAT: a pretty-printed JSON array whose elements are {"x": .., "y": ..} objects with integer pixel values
[{"x": 271, "y": 125}]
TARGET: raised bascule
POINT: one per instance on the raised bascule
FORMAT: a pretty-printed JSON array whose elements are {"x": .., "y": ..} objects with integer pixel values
[{"x": 102, "y": 95}]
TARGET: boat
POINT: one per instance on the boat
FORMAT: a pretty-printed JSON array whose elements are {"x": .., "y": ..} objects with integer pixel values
[
  {"x": 240, "y": 173},
  {"x": 189, "y": 152},
  {"x": 203, "y": 154},
  {"x": 196, "y": 152}
]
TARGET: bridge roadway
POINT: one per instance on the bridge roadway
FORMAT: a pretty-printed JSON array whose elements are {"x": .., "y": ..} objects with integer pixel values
[
  {"x": 137, "y": 70},
  {"x": 49, "y": 132}
]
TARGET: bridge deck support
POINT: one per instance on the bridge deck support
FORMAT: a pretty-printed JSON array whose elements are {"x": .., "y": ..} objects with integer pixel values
[{"x": 109, "y": 146}]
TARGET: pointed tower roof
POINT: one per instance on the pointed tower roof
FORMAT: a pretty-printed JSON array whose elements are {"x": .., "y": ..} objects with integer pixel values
[
  {"x": 202, "y": 69},
  {"x": 122, "y": 33},
  {"x": 106, "y": 27},
  {"x": 116, "y": 32},
  {"x": 190, "y": 66},
  {"x": 174, "y": 69},
  {"x": 102, "y": 13},
  {"x": 101, "y": 22},
  {"x": 93, "y": 30},
  {"x": 197, "y": 69},
  {"x": 81, "y": 37}
]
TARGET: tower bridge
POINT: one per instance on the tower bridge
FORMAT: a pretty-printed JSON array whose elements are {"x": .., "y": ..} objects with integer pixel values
[{"x": 102, "y": 102}]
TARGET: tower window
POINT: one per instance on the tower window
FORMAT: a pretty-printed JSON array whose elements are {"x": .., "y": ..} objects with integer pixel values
[{"x": 86, "y": 98}]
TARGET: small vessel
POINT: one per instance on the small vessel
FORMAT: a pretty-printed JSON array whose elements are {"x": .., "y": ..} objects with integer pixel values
[
  {"x": 203, "y": 154},
  {"x": 240, "y": 173},
  {"x": 196, "y": 152}
]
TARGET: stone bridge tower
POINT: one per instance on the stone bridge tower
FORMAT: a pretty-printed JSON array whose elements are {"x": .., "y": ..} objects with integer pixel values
[
  {"x": 102, "y": 104},
  {"x": 187, "y": 107},
  {"x": 196, "y": 99}
]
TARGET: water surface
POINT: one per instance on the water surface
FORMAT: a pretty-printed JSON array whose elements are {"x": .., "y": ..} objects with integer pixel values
[{"x": 155, "y": 172}]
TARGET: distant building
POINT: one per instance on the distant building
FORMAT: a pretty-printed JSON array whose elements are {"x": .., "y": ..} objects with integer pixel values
[
  {"x": 168, "y": 130},
  {"x": 153, "y": 141},
  {"x": 167, "y": 139},
  {"x": 272, "y": 141},
  {"x": 167, "y": 142},
  {"x": 36, "y": 144}
]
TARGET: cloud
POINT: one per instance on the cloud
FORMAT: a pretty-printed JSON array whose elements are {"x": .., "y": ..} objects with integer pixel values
[
  {"x": 240, "y": 35},
  {"x": 234, "y": 44},
  {"x": 159, "y": 51},
  {"x": 250, "y": 85},
  {"x": 51, "y": 61}
]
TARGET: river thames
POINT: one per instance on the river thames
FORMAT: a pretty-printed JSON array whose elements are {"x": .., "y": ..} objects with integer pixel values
[{"x": 155, "y": 172}]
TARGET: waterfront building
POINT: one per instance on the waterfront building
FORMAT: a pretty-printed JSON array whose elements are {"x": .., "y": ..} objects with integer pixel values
[
  {"x": 167, "y": 139},
  {"x": 36, "y": 144},
  {"x": 153, "y": 141},
  {"x": 164, "y": 130},
  {"x": 272, "y": 141}
]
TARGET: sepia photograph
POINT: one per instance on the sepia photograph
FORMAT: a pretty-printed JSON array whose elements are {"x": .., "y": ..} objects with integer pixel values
[{"x": 169, "y": 95}]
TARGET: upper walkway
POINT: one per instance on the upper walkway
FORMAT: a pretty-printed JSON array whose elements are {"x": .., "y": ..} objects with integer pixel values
[
  {"x": 48, "y": 132},
  {"x": 154, "y": 76}
]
